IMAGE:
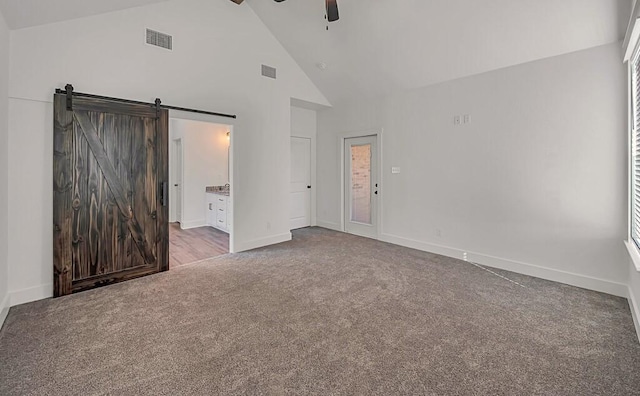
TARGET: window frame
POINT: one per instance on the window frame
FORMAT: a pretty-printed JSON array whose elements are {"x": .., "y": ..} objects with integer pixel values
[{"x": 632, "y": 243}]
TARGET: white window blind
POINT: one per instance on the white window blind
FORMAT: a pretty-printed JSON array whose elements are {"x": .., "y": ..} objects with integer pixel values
[{"x": 635, "y": 148}]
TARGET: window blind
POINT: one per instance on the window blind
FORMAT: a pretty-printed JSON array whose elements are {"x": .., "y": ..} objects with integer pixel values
[{"x": 635, "y": 149}]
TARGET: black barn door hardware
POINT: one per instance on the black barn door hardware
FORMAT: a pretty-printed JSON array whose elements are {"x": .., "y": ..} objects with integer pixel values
[
  {"x": 68, "y": 90},
  {"x": 164, "y": 194}
]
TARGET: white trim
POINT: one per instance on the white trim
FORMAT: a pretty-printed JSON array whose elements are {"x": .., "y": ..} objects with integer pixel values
[
  {"x": 635, "y": 311},
  {"x": 329, "y": 225},
  {"x": 4, "y": 309},
  {"x": 426, "y": 247},
  {"x": 634, "y": 254},
  {"x": 633, "y": 40},
  {"x": 261, "y": 242},
  {"x": 313, "y": 175},
  {"x": 629, "y": 149},
  {"x": 378, "y": 133},
  {"x": 187, "y": 225},
  {"x": 31, "y": 294},
  {"x": 212, "y": 119},
  {"x": 173, "y": 153},
  {"x": 569, "y": 278},
  {"x": 632, "y": 33}
]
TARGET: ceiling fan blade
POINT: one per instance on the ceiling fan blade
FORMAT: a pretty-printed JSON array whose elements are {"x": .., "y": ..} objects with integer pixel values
[
  {"x": 332, "y": 10},
  {"x": 237, "y": 1}
]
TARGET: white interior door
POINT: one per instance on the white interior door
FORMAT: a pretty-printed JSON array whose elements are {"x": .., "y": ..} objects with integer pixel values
[
  {"x": 178, "y": 181},
  {"x": 300, "y": 208},
  {"x": 361, "y": 186}
]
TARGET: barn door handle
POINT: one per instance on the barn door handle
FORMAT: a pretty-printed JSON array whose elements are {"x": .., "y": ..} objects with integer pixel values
[{"x": 163, "y": 194}]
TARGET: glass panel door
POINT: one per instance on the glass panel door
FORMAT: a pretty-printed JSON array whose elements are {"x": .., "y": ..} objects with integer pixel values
[
  {"x": 361, "y": 186},
  {"x": 361, "y": 183}
]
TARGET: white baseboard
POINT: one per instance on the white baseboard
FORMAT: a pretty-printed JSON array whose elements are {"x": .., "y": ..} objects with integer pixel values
[
  {"x": 4, "y": 309},
  {"x": 186, "y": 225},
  {"x": 427, "y": 247},
  {"x": 31, "y": 294},
  {"x": 635, "y": 310},
  {"x": 569, "y": 278},
  {"x": 258, "y": 243},
  {"x": 329, "y": 225}
]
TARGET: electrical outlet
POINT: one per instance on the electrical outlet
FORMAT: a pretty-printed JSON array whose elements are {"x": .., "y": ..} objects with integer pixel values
[
  {"x": 466, "y": 119},
  {"x": 456, "y": 120},
  {"x": 395, "y": 169},
  {"x": 464, "y": 256},
  {"x": 438, "y": 233}
]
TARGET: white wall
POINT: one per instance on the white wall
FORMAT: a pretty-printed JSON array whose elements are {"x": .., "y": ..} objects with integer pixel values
[
  {"x": 205, "y": 156},
  {"x": 215, "y": 65},
  {"x": 304, "y": 125},
  {"x": 535, "y": 183},
  {"x": 4, "y": 164}
]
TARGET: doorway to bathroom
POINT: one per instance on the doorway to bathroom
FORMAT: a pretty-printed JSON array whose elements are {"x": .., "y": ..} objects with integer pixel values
[{"x": 201, "y": 204}]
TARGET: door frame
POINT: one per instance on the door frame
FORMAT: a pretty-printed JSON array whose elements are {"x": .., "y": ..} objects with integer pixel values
[
  {"x": 378, "y": 133},
  {"x": 173, "y": 157},
  {"x": 313, "y": 181},
  {"x": 231, "y": 123}
]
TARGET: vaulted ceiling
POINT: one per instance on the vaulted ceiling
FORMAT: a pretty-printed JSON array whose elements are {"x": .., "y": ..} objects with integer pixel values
[
  {"x": 25, "y": 13},
  {"x": 382, "y": 46}
]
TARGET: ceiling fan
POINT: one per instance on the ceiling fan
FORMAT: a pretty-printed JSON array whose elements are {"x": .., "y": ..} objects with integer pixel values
[{"x": 332, "y": 8}]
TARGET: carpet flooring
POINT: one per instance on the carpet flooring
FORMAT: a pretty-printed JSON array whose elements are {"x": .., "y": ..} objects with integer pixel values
[{"x": 326, "y": 313}]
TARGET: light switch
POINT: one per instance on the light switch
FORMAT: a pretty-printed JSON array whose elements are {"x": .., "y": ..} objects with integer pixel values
[{"x": 395, "y": 169}]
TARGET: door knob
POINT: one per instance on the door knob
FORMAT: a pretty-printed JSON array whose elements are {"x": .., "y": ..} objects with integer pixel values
[
  {"x": 376, "y": 193},
  {"x": 308, "y": 186},
  {"x": 175, "y": 185}
]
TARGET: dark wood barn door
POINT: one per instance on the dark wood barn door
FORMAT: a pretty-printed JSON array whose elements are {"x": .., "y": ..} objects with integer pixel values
[{"x": 110, "y": 221}]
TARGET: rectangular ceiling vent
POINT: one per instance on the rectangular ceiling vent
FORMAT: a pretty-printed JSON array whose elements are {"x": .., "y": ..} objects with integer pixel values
[
  {"x": 159, "y": 39},
  {"x": 269, "y": 71}
]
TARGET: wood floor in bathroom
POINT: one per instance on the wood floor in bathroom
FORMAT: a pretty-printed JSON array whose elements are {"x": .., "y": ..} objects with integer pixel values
[{"x": 189, "y": 246}]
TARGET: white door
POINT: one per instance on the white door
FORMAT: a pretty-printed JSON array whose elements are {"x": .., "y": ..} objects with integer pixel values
[
  {"x": 361, "y": 186},
  {"x": 177, "y": 177},
  {"x": 300, "y": 183}
]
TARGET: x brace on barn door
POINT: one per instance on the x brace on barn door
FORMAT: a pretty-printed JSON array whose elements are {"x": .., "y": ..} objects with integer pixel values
[{"x": 120, "y": 195}]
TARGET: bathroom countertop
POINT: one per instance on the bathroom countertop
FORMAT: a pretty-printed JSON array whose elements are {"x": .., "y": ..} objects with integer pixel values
[
  {"x": 219, "y": 190},
  {"x": 225, "y": 193}
]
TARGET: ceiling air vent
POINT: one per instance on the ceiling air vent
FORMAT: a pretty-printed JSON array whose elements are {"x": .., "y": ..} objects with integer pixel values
[
  {"x": 269, "y": 71},
  {"x": 159, "y": 39}
]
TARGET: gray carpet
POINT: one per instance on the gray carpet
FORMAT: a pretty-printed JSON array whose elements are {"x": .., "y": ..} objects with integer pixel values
[{"x": 327, "y": 313}]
